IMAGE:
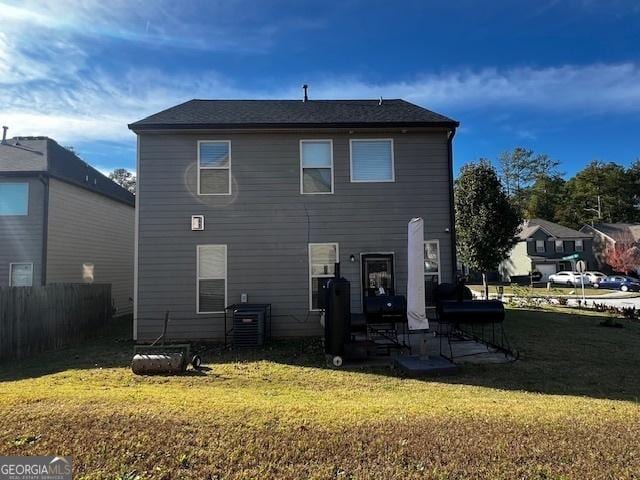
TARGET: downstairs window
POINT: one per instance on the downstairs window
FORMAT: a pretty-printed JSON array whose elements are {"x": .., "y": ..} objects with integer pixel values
[{"x": 211, "y": 271}]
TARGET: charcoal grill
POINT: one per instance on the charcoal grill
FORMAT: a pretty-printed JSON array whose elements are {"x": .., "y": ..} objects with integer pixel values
[
  {"x": 462, "y": 319},
  {"x": 383, "y": 314}
]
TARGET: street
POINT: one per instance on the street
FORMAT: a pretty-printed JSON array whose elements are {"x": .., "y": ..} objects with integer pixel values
[{"x": 615, "y": 302}]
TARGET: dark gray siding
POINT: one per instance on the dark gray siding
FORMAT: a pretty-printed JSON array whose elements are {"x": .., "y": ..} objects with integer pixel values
[
  {"x": 267, "y": 224},
  {"x": 87, "y": 227},
  {"x": 21, "y": 236},
  {"x": 569, "y": 248}
]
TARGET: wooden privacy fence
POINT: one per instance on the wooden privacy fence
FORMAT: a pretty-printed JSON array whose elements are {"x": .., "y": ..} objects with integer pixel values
[{"x": 34, "y": 319}]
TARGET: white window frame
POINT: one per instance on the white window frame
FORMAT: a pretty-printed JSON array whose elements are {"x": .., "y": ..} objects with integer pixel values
[
  {"x": 311, "y": 276},
  {"x": 28, "y": 199},
  {"x": 226, "y": 276},
  {"x": 302, "y": 167},
  {"x": 575, "y": 245},
  {"x": 20, "y": 263},
  {"x": 228, "y": 142},
  {"x": 393, "y": 163},
  {"x": 555, "y": 244},
  {"x": 437, "y": 242},
  {"x": 544, "y": 246}
]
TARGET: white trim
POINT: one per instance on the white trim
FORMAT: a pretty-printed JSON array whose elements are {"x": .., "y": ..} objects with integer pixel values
[
  {"x": 228, "y": 167},
  {"x": 393, "y": 165},
  {"x": 28, "y": 200},
  {"x": 226, "y": 275},
  {"x": 20, "y": 263},
  {"x": 302, "y": 192},
  {"x": 437, "y": 242},
  {"x": 136, "y": 233},
  {"x": 311, "y": 277}
]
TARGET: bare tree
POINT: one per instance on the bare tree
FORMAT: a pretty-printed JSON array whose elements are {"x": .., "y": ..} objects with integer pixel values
[{"x": 124, "y": 178}]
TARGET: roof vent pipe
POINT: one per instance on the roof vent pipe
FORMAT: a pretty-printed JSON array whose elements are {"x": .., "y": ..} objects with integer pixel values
[
  {"x": 305, "y": 87},
  {"x": 4, "y": 134},
  {"x": 380, "y": 101}
]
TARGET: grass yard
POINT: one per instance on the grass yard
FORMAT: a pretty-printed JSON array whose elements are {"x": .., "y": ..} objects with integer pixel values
[
  {"x": 541, "y": 290},
  {"x": 568, "y": 409}
]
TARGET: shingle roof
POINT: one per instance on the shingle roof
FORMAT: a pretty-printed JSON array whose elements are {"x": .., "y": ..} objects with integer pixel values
[
  {"x": 553, "y": 229},
  {"x": 293, "y": 114},
  {"x": 619, "y": 231},
  {"x": 43, "y": 154}
]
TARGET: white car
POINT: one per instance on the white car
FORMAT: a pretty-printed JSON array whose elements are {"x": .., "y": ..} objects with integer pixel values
[
  {"x": 595, "y": 277},
  {"x": 571, "y": 279}
]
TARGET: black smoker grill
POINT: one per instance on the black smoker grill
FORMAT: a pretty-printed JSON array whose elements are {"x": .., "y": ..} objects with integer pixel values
[
  {"x": 337, "y": 317},
  {"x": 383, "y": 314},
  {"x": 460, "y": 318}
]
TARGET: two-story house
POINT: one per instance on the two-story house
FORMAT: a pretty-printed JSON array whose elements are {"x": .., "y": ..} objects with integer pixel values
[
  {"x": 608, "y": 235},
  {"x": 257, "y": 199},
  {"x": 542, "y": 247},
  {"x": 62, "y": 221}
]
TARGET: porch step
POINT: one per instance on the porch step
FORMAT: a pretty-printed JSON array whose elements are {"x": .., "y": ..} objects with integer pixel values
[{"x": 414, "y": 366}]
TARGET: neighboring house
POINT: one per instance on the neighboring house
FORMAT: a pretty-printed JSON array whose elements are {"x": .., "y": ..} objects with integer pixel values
[
  {"x": 606, "y": 235},
  {"x": 541, "y": 247},
  {"x": 62, "y": 221},
  {"x": 283, "y": 189}
]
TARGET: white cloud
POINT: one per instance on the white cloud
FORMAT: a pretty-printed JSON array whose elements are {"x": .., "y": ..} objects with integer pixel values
[
  {"x": 49, "y": 86},
  {"x": 97, "y": 106},
  {"x": 596, "y": 88}
]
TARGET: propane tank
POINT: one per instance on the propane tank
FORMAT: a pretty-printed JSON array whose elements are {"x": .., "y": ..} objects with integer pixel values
[{"x": 156, "y": 363}]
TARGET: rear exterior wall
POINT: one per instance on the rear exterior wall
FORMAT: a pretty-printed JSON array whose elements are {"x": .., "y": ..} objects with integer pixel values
[{"x": 267, "y": 224}]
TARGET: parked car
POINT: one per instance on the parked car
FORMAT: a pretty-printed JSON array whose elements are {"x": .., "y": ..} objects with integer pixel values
[
  {"x": 619, "y": 282},
  {"x": 570, "y": 279},
  {"x": 595, "y": 277}
]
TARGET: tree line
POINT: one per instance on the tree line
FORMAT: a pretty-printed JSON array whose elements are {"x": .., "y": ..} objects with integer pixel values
[
  {"x": 599, "y": 193},
  {"x": 490, "y": 205}
]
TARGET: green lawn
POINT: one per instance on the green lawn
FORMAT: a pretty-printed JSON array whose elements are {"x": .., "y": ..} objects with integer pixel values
[
  {"x": 567, "y": 409},
  {"x": 542, "y": 290}
]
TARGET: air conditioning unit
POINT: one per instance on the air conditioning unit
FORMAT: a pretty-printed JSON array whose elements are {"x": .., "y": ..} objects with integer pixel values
[{"x": 248, "y": 328}]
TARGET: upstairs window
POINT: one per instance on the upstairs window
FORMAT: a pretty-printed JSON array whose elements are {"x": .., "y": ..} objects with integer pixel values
[
  {"x": 14, "y": 199},
  {"x": 316, "y": 166},
  {"x": 579, "y": 247},
  {"x": 214, "y": 167},
  {"x": 559, "y": 246},
  {"x": 212, "y": 278},
  {"x": 540, "y": 246},
  {"x": 372, "y": 160}
]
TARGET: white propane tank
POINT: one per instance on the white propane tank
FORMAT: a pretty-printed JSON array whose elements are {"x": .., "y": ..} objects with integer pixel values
[{"x": 165, "y": 363}]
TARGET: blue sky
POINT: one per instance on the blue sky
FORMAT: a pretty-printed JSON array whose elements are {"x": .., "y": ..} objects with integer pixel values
[{"x": 560, "y": 77}]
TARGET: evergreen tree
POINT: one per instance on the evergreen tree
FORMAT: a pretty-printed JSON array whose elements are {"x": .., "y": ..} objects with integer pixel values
[{"x": 486, "y": 220}]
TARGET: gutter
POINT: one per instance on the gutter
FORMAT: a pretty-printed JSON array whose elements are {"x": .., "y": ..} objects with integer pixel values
[
  {"x": 45, "y": 229},
  {"x": 452, "y": 212},
  {"x": 139, "y": 127}
]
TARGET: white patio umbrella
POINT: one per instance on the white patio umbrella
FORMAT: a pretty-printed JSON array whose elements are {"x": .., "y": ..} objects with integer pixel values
[{"x": 416, "y": 313}]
